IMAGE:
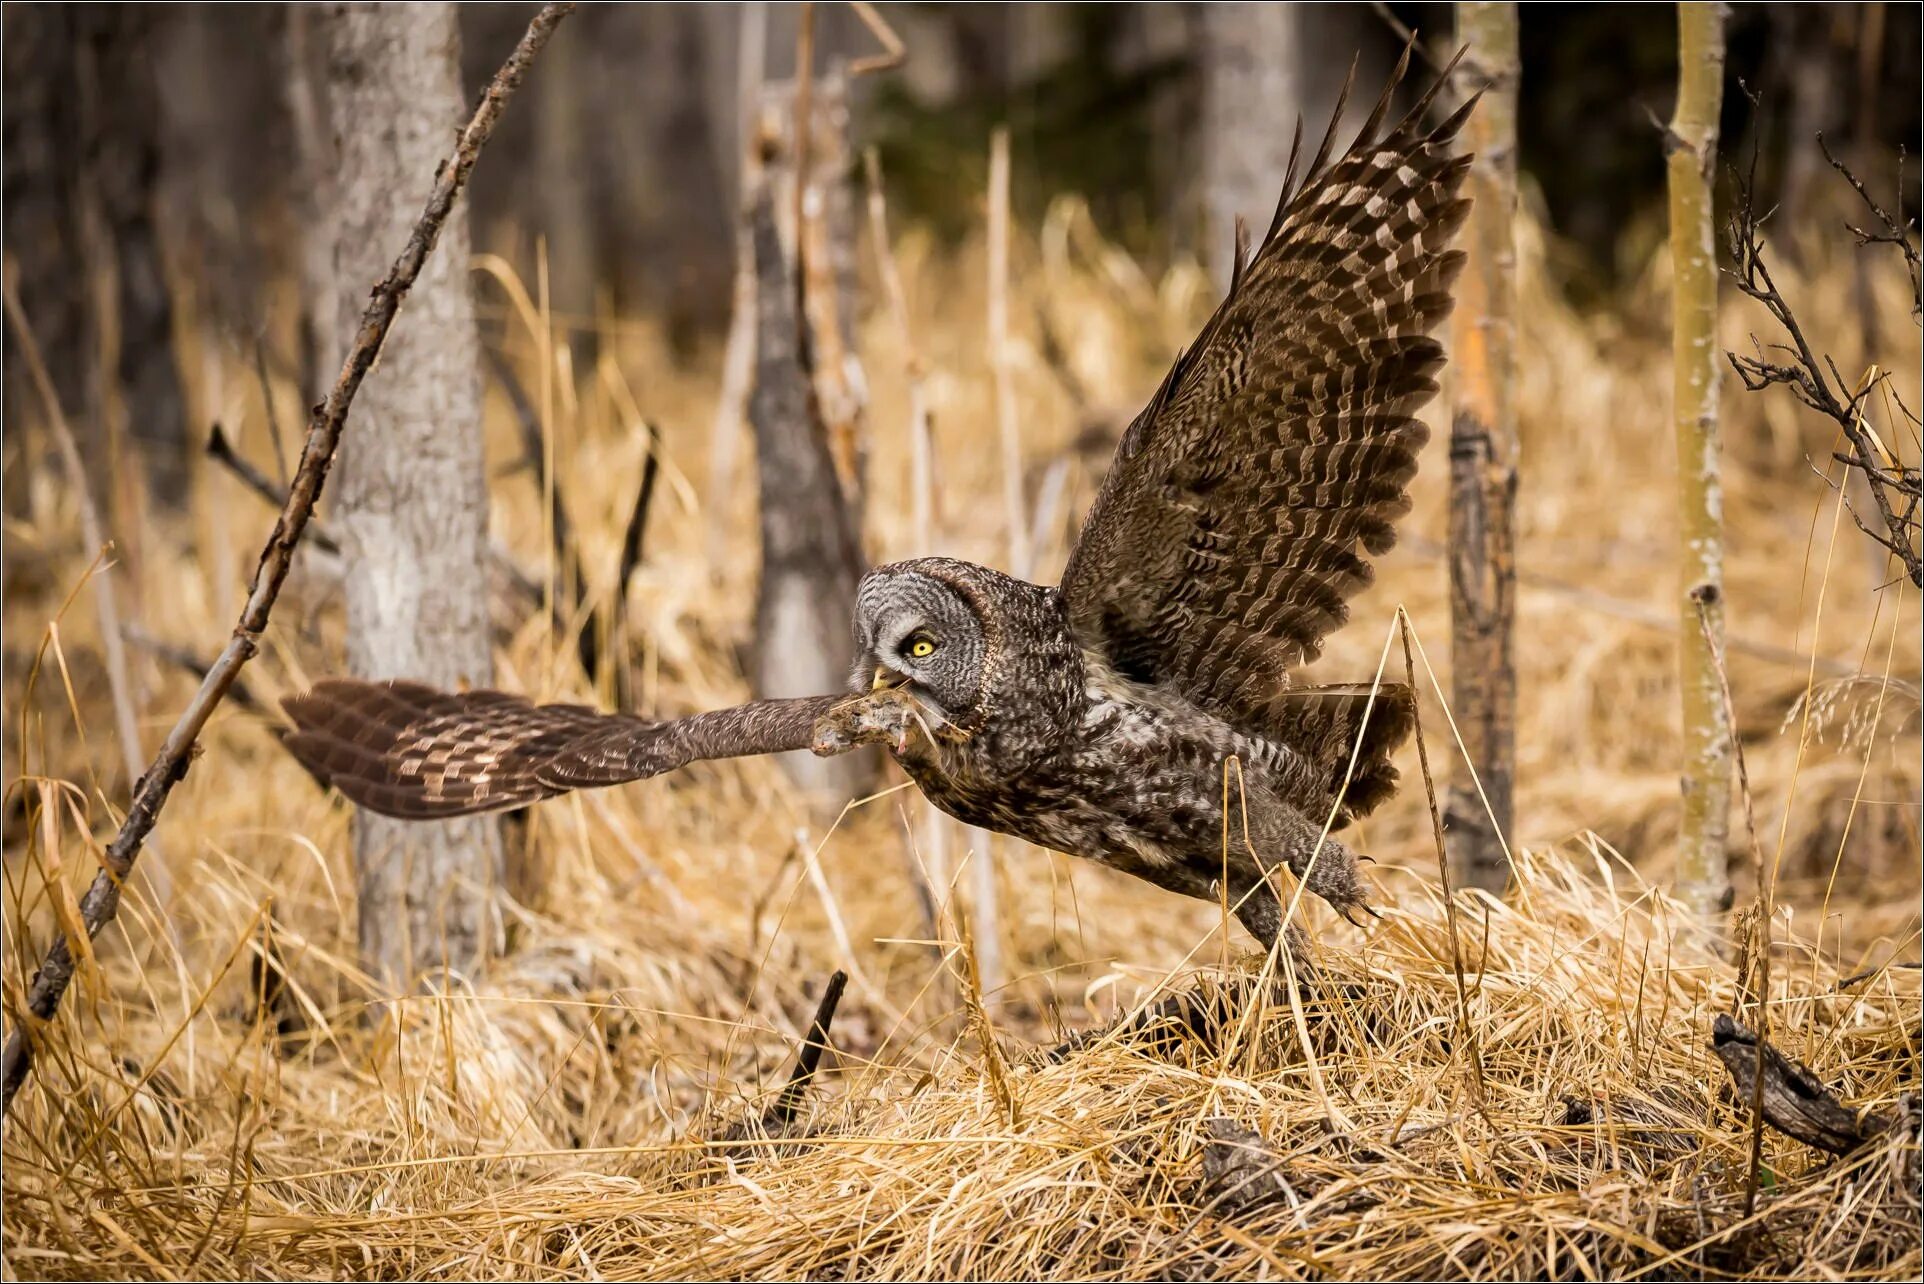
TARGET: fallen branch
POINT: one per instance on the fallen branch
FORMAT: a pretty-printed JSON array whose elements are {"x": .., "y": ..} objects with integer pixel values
[
  {"x": 102, "y": 901},
  {"x": 1793, "y": 1101}
]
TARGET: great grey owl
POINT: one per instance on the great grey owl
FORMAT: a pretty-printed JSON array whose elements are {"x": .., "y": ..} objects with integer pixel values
[{"x": 1141, "y": 713}]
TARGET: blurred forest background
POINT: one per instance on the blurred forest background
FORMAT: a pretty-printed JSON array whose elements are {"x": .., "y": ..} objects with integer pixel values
[
  {"x": 174, "y": 243},
  {"x": 184, "y": 124}
]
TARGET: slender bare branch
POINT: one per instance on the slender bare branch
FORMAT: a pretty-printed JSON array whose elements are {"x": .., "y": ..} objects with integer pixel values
[
  {"x": 1895, "y": 488},
  {"x": 102, "y": 900}
]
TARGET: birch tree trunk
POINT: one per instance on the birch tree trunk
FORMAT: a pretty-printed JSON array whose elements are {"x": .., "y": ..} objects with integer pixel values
[
  {"x": 1253, "y": 94},
  {"x": 411, "y": 497},
  {"x": 1483, "y": 451},
  {"x": 1702, "y": 881}
]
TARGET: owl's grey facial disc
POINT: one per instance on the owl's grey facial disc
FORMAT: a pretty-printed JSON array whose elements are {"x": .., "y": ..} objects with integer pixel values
[{"x": 912, "y": 629}]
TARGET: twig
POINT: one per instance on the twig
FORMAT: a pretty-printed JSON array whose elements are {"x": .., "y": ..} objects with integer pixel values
[
  {"x": 181, "y": 658},
  {"x": 563, "y": 541},
  {"x": 1817, "y": 383},
  {"x": 738, "y": 359},
  {"x": 267, "y": 404},
  {"x": 1020, "y": 558},
  {"x": 632, "y": 535},
  {"x": 102, "y": 901},
  {"x": 1649, "y": 617},
  {"x": 1402, "y": 32},
  {"x": 894, "y": 54},
  {"x": 781, "y": 1116},
  {"x": 804, "y": 135},
  {"x": 322, "y": 536},
  {"x": 922, "y": 494},
  {"x": 222, "y": 452},
  {"x": 1442, "y": 862},
  {"x": 1895, "y": 231}
]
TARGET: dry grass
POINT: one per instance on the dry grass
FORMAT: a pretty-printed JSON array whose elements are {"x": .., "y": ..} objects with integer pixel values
[{"x": 547, "y": 1118}]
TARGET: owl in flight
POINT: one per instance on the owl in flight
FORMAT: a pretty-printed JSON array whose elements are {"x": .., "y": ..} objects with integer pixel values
[{"x": 1099, "y": 717}]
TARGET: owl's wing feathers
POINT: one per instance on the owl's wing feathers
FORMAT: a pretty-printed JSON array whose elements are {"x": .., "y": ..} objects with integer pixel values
[
  {"x": 1222, "y": 548},
  {"x": 408, "y": 750}
]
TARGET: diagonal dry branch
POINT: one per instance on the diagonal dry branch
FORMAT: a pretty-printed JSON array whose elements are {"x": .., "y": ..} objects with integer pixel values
[{"x": 102, "y": 901}]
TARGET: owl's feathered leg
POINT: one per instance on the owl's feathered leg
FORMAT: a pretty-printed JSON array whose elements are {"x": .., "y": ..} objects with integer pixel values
[
  {"x": 1261, "y": 911},
  {"x": 1326, "y": 866}
]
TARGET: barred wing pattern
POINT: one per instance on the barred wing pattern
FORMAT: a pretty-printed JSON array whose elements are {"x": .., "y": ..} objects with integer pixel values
[
  {"x": 407, "y": 750},
  {"x": 1222, "y": 548}
]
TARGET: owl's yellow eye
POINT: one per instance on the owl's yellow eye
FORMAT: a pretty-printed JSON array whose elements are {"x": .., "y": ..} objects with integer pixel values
[{"x": 922, "y": 648}]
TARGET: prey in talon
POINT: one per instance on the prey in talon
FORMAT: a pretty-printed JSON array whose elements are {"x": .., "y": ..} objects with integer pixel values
[{"x": 884, "y": 717}]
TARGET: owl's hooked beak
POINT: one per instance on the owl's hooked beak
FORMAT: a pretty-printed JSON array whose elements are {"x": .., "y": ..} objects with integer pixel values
[{"x": 886, "y": 679}]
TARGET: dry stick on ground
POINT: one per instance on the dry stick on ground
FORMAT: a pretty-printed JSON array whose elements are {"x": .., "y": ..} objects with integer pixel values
[
  {"x": 102, "y": 901},
  {"x": 1690, "y": 146},
  {"x": 1896, "y": 488},
  {"x": 781, "y": 1116},
  {"x": 1483, "y": 455},
  {"x": 1787, "y": 1095}
]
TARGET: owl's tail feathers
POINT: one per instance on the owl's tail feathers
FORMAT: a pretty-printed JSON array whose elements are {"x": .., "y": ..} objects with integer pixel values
[
  {"x": 407, "y": 750},
  {"x": 1324, "y": 724}
]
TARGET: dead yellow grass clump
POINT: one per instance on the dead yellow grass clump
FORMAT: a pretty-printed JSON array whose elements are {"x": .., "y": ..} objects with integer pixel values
[{"x": 1557, "y": 1113}]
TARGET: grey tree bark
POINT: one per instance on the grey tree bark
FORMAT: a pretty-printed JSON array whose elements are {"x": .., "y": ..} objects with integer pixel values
[
  {"x": 412, "y": 506},
  {"x": 1253, "y": 93},
  {"x": 1264, "y": 67},
  {"x": 811, "y": 552}
]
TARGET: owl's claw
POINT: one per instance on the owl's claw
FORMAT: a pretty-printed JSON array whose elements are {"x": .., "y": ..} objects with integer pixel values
[{"x": 1349, "y": 910}]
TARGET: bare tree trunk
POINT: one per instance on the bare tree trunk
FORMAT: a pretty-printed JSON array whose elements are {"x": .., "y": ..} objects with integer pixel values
[
  {"x": 412, "y": 511},
  {"x": 1253, "y": 94},
  {"x": 811, "y": 558},
  {"x": 120, "y": 173},
  {"x": 738, "y": 359},
  {"x": 1703, "y": 879},
  {"x": 1483, "y": 451},
  {"x": 304, "y": 88},
  {"x": 830, "y": 213}
]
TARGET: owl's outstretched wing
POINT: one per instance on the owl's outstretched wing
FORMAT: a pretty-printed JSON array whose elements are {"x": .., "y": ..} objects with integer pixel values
[
  {"x": 1222, "y": 548},
  {"x": 408, "y": 750}
]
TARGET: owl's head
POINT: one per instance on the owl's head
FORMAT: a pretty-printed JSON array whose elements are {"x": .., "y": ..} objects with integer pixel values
[{"x": 916, "y": 625}]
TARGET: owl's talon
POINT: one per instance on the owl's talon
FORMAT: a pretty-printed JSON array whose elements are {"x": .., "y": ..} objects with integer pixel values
[{"x": 1349, "y": 910}]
